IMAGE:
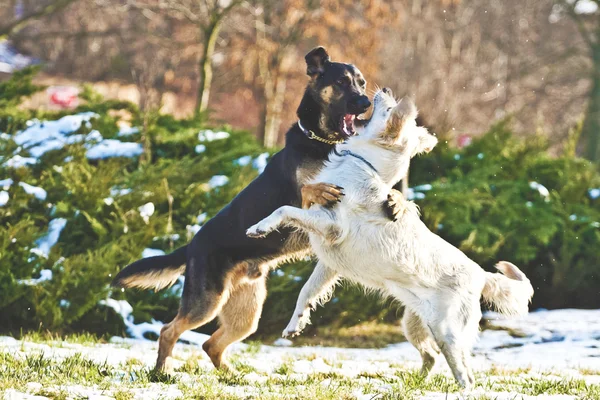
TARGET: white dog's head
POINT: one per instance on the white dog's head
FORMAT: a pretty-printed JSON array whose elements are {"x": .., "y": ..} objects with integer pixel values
[{"x": 393, "y": 125}]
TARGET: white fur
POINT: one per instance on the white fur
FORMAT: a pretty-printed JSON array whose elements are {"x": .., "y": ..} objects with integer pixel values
[{"x": 439, "y": 285}]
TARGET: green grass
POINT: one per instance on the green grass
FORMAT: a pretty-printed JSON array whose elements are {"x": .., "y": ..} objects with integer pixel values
[{"x": 195, "y": 379}]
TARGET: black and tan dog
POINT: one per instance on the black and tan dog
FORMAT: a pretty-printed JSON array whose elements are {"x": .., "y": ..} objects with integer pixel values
[{"x": 225, "y": 271}]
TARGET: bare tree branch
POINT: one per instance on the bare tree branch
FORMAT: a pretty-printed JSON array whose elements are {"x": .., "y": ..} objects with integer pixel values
[{"x": 18, "y": 24}]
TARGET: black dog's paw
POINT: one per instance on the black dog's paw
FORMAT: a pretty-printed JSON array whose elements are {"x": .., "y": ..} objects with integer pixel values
[
  {"x": 324, "y": 194},
  {"x": 395, "y": 205}
]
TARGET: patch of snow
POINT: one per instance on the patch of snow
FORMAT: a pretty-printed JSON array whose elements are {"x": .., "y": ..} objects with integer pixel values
[
  {"x": 46, "y": 242},
  {"x": 572, "y": 217},
  {"x": 18, "y": 161},
  {"x": 457, "y": 157},
  {"x": 540, "y": 188},
  {"x": 109, "y": 201},
  {"x": 594, "y": 193},
  {"x": 282, "y": 342},
  {"x": 114, "y": 148},
  {"x": 6, "y": 183},
  {"x": 37, "y": 192},
  {"x": 423, "y": 188},
  {"x": 192, "y": 229},
  {"x": 11, "y": 60},
  {"x": 41, "y": 137},
  {"x": 4, "y": 136},
  {"x": 260, "y": 162},
  {"x": 128, "y": 131},
  {"x": 201, "y": 218},
  {"x": 585, "y": 6},
  {"x": 413, "y": 195},
  {"x": 243, "y": 161},
  {"x": 3, "y": 198},
  {"x": 146, "y": 211},
  {"x": 480, "y": 156},
  {"x": 200, "y": 149},
  {"x": 45, "y": 275},
  {"x": 218, "y": 181},
  {"x": 152, "y": 253},
  {"x": 115, "y": 192},
  {"x": 209, "y": 136}
]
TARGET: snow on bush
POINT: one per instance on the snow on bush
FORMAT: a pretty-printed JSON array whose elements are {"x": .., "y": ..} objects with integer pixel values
[
  {"x": 45, "y": 243},
  {"x": 208, "y": 135},
  {"x": 152, "y": 253},
  {"x": 218, "y": 181},
  {"x": 35, "y": 191}
]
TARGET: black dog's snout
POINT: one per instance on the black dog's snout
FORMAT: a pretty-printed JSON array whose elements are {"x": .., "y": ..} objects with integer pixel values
[{"x": 363, "y": 102}]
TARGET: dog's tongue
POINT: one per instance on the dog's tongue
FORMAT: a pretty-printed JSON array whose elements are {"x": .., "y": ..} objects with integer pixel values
[{"x": 348, "y": 125}]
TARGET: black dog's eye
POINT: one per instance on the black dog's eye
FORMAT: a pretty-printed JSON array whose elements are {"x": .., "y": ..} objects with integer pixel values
[{"x": 345, "y": 81}]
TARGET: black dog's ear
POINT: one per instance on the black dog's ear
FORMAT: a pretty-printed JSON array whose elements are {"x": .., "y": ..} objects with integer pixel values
[{"x": 315, "y": 61}]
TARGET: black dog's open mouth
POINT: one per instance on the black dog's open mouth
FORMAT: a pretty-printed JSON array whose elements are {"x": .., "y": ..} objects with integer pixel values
[{"x": 347, "y": 125}]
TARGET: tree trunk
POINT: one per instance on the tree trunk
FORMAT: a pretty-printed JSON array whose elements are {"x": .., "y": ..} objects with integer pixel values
[
  {"x": 273, "y": 109},
  {"x": 206, "y": 73},
  {"x": 590, "y": 132}
]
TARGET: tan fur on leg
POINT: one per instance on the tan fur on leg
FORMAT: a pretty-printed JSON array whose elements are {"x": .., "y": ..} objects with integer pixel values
[
  {"x": 239, "y": 319},
  {"x": 170, "y": 333}
]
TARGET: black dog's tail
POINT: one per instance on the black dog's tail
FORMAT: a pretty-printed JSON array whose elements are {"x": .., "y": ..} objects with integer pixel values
[{"x": 156, "y": 272}]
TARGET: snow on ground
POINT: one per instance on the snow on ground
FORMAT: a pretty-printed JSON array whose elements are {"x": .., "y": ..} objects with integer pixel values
[{"x": 545, "y": 347}]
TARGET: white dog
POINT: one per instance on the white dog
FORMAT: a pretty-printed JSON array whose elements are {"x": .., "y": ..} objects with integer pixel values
[{"x": 439, "y": 285}]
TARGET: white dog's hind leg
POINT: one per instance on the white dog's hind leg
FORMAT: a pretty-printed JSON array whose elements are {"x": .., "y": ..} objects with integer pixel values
[
  {"x": 317, "y": 290},
  {"x": 455, "y": 330},
  {"x": 420, "y": 337},
  {"x": 315, "y": 221}
]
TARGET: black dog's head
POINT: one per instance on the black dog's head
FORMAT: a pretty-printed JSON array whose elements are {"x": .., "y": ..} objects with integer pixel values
[{"x": 339, "y": 90}]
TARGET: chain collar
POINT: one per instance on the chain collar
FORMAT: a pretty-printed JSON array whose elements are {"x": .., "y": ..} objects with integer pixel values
[{"x": 311, "y": 135}]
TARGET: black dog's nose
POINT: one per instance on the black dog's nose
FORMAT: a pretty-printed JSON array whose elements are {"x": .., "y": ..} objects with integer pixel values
[
  {"x": 363, "y": 102},
  {"x": 386, "y": 90}
]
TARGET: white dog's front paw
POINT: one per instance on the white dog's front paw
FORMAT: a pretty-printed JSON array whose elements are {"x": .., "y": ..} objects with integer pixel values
[
  {"x": 259, "y": 230},
  {"x": 295, "y": 326},
  {"x": 264, "y": 227}
]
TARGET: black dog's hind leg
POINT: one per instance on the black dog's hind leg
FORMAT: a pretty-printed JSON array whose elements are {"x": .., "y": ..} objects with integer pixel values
[
  {"x": 200, "y": 303},
  {"x": 239, "y": 318}
]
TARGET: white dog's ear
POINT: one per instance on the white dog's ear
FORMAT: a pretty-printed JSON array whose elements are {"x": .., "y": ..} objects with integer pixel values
[
  {"x": 404, "y": 113},
  {"x": 426, "y": 140},
  {"x": 406, "y": 109}
]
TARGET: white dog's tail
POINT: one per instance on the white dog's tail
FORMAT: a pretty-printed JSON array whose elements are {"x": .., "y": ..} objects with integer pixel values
[{"x": 508, "y": 292}]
